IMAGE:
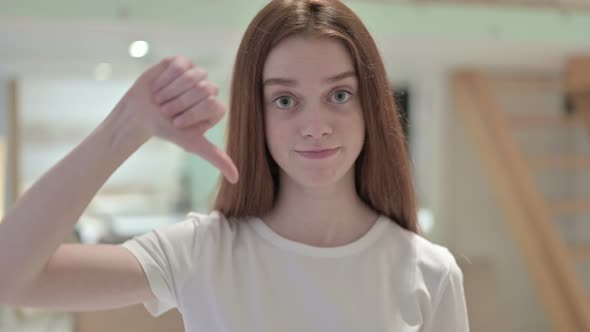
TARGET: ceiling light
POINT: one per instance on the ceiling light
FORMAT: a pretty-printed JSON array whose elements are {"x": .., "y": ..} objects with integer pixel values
[{"x": 138, "y": 48}]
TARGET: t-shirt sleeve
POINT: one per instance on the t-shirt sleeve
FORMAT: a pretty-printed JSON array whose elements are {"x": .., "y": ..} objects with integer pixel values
[
  {"x": 167, "y": 255},
  {"x": 449, "y": 307}
]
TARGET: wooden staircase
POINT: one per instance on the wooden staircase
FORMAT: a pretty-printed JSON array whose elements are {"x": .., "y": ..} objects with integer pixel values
[{"x": 535, "y": 218}]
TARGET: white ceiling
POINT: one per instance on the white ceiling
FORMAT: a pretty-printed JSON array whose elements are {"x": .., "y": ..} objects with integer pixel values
[
  {"x": 47, "y": 46},
  {"x": 34, "y": 46}
]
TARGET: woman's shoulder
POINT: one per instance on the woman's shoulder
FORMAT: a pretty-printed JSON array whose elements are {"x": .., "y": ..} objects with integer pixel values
[
  {"x": 205, "y": 219},
  {"x": 213, "y": 223},
  {"x": 433, "y": 256},
  {"x": 432, "y": 261}
]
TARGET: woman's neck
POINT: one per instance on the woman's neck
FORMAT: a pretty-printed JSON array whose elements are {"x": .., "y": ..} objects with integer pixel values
[{"x": 324, "y": 217}]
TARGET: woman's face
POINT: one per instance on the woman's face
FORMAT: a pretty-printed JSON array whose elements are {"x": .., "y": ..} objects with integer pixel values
[{"x": 311, "y": 103}]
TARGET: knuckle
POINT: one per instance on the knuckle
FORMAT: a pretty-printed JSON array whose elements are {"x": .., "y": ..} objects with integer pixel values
[
  {"x": 220, "y": 112},
  {"x": 202, "y": 73},
  {"x": 160, "y": 96},
  {"x": 212, "y": 121},
  {"x": 193, "y": 79},
  {"x": 215, "y": 108},
  {"x": 175, "y": 105},
  {"x": 208, "y": 89},
  {"x": 210, "y": 103},
  {"x": 214, "y": 89},
  {"x": 187, "y": 116},
  {"x": 168, "y": 60},
  {"x": 182, "y": 120},
  {"x": 186, "y": 61},
  {"x": 185, "y": 100},
  {"x": 203, "y": 126},
  {"x": 202, "y": 87},
  {"x": 177, "y": 70}
]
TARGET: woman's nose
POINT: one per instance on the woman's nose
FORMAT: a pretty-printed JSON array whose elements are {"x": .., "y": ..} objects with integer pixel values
[{"x": 315, "y": 124}]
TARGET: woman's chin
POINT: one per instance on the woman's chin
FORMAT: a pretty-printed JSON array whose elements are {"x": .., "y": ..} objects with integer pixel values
[{"x": 319, "y": 178}]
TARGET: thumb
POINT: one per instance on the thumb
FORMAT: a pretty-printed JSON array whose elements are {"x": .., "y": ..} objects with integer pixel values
[{"x": 219, "y": 159}]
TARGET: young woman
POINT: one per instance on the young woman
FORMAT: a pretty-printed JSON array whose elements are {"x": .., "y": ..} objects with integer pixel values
[{"x": 319, "y": 233}]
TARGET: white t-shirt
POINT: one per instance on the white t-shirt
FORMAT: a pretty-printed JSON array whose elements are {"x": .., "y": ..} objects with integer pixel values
[{"x": 244, "y": 277}]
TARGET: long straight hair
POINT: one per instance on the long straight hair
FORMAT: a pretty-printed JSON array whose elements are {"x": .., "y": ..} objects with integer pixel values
[{"x": 383, "y": 176}]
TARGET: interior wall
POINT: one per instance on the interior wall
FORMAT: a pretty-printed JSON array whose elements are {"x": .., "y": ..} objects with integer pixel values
[
  {"x": 451, "y": 180},
  {"x": 481, "y": 232},
  {"x": 427, "y": 123},
  {"x": 57, "y": 114}
]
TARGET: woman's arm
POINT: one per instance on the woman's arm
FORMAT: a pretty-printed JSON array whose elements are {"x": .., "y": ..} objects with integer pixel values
[
  {"x": 450, "y": 307},
  {"x": 46, "y": 214},
  {"x": 81, "y": 277},
  {"x": 171, "y": 100}
]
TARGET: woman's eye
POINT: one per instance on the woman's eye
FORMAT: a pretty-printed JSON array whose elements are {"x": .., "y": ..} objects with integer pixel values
[
  {"x": 283, "y": 102},
  {"x": 341, "y": 96}
]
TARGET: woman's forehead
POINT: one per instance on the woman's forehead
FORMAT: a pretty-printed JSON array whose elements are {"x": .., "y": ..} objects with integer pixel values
[
  {"x": 307, "y": 58},
  {"x": 347, "y": 74}
]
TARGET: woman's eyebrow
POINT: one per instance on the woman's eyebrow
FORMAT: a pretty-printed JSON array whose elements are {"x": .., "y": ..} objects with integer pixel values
[{"x": 292, "y": 82}]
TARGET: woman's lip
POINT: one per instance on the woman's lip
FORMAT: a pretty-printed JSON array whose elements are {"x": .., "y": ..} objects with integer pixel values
[{"x": 318, "y": 154}]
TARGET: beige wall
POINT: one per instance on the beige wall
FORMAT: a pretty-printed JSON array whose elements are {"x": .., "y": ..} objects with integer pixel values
[
  {"x": 479, "y": 231},
  {"x": 478, "y": 228}
]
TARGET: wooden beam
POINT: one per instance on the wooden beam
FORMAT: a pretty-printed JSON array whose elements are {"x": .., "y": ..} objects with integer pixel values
[
  {"x": 570, "y": 207},
  {"x": 559, "y": 162},
  {"x": 514, "y": 83},
  {"x": 542, "y": 120},
  {"x": 578, "y": 75},
  {"x": 578, "y": 85},
  {"x": 581, "y": 253}
]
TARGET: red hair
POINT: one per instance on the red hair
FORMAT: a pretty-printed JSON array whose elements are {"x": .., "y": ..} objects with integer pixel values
[{"x": 383, "y": 176}]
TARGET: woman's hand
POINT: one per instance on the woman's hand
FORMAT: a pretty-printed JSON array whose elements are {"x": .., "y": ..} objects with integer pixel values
[{"x": 174, "y": 101}]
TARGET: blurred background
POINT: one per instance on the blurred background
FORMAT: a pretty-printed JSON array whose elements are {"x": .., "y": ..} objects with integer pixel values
[{"x": 495, "y": 97}]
